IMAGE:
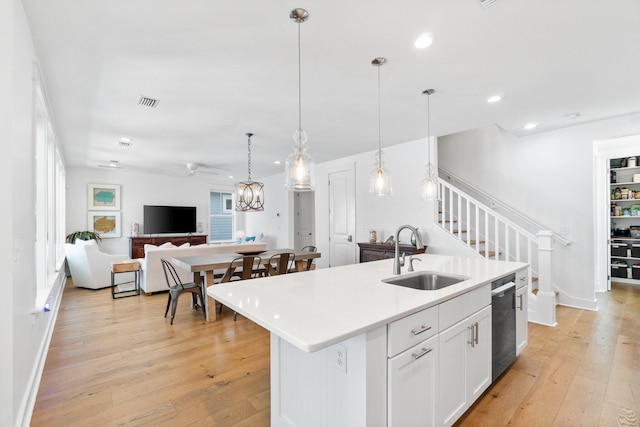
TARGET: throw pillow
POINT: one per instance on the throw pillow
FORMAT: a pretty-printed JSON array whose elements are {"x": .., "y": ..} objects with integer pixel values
[{"x": 185, "y": 245}]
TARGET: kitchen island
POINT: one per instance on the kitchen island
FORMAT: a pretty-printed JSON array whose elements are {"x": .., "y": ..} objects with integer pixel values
[{"x": 338, "y": 341}]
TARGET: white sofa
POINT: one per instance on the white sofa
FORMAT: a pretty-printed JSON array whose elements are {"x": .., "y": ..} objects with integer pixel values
[
  {"x": 152, "y": 278},
  {"x": 90, "y": 267}
]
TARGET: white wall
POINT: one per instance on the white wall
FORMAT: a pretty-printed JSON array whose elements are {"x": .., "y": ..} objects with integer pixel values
[
  {"x": 136, "y": 191},
  {"x": 26, "y": 328},
  {"x": 549, "y": 177},
  {"x": 6, "y": 215}
]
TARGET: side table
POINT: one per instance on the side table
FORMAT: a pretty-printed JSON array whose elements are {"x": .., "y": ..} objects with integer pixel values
[{"x": 130, "y": 266}]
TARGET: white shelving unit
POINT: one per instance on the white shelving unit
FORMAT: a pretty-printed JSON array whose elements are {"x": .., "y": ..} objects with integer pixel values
[{"x": 624, "y": 251}]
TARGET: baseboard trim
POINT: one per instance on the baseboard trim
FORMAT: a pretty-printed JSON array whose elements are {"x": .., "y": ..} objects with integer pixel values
[{"x": 25, "y": 411}]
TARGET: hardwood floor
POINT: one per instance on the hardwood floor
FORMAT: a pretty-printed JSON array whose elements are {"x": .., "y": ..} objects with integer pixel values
[
  {"x": 584, "y": 372},
  {"x": 120, "y": 363}
]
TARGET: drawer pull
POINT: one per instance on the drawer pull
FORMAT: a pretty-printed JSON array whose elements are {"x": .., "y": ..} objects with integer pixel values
[
  {"x": 423, "y": 352},
  {"x": 422, "y": 329}
]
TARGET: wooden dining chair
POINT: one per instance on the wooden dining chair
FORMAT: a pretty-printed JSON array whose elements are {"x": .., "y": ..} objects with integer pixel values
[
  {"x": 177, "y": 288},
  {"x": 248, "y": 272},
  {"x": 280, "y": 263}
]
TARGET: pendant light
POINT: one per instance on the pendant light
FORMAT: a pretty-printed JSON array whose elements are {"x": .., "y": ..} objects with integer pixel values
[
  {"x": 299, "y": 166},
  {"x": 249, "y": 194},
  {"x": 429, "y": 187},
  {"x": 379, "y": 178}
]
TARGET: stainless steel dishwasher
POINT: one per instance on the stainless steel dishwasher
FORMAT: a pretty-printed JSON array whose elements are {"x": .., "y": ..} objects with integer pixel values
[{"x": 503, "y": 322}]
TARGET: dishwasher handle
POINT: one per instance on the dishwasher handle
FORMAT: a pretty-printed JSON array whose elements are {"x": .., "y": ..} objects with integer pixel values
[{"x": 503, "y": 288}]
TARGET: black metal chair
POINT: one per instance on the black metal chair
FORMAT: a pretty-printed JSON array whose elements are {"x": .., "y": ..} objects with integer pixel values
[
  {"x": 177, "y": 288},
  {"x": 247, "y": 272},
  {"x": 307, "y": 267},
  {"x": 280, "y": 263}
]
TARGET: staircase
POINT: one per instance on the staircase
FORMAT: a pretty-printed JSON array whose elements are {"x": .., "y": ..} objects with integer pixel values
[{"x": 485, "y": 232}]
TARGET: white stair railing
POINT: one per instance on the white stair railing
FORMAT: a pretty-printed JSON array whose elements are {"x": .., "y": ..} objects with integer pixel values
[{"x": 490, "y": 234}]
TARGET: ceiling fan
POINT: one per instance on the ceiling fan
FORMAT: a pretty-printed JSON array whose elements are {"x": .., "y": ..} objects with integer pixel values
[
  {"x": 193, "y": 168},
  {"x": 113, "y": 164}
]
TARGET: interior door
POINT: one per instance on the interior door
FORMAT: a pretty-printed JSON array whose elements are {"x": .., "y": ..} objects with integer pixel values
[
  {"x": 304, "y": 220},
  {"x": 342, "y": 245}
]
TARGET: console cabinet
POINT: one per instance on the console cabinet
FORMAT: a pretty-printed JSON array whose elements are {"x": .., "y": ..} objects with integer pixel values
[
  {"x": 136, "y": 244},
  {"x": 378, "y": 251}
]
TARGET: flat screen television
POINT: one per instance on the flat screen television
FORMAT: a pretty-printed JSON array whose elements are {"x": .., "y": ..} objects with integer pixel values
[{"x": 169, "y": 219}]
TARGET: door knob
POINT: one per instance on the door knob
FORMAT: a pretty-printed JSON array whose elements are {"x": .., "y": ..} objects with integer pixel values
[{"x": 349, "y": 238}]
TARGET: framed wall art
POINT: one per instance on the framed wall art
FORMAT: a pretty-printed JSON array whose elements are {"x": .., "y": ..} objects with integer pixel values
[
  {"x": 106, "y": 224},
  {"x": 104, "y": 197}
]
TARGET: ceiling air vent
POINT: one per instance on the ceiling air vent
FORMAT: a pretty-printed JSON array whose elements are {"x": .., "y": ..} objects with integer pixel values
[
  {"x": 148, "y": 102},
  {"x": 487, "y": 3}
]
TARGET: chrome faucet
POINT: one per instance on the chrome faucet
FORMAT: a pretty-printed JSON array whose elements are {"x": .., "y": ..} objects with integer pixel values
[{"x": 397, "y": 262}]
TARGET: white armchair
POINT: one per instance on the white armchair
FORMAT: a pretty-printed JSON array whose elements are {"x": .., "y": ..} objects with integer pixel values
[{"x": 90, "y": 267}]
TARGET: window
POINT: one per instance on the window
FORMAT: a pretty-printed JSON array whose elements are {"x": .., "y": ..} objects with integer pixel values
[
  {"x": 50, "y": 199},
  {"x": 221, "y": 216}
]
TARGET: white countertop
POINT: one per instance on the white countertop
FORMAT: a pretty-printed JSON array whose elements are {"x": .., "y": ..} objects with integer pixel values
[{"x": 315, "y": 309}]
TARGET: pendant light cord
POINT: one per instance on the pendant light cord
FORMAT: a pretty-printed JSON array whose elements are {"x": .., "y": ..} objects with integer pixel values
[
  {"x": 429, "y": 125},
  {"x": 249, "y": 156},
  {"x": 299, "y": 86},
  {"x": 379, "y": 137}
]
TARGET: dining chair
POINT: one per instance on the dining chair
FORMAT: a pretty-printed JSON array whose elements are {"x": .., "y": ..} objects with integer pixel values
[
  {"x": 280, "y": 263},
  {"x": 309, "y": 263},
  {"x": 248, "y": 272},
  {"x": 177, "y": 288}
]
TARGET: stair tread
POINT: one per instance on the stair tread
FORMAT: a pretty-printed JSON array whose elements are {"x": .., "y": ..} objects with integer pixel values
[
  {"x": 477, "y": 242},
  {"x": 488, "y": 254},
  {"x": 535, "y": 292},
  {"x": 458, "y": 231}
]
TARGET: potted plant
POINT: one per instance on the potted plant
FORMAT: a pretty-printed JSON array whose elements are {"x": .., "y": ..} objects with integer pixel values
[{"x": 82, "y": 235}]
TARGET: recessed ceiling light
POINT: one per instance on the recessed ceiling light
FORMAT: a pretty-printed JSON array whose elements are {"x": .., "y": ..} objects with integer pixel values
[
  {"x": 423, "y": 40},
  {"x": 573, "y": 115},
  {"x": 494, "y": 98},
  {"x": 230, "y": 177},
  {"x": 531, "y": 126},
  {"x": 277, "y": 162}
]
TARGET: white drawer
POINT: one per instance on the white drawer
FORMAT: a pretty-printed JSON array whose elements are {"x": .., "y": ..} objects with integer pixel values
[
  {"x": 456, "y": 309},
  {"x": 479, "y": 298},
  {"x": 411, "y": 330},
  {"x": 453, "y": 311}
]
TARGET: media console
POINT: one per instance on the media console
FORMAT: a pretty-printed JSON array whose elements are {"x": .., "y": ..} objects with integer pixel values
[{"x": 136, "y": 244}]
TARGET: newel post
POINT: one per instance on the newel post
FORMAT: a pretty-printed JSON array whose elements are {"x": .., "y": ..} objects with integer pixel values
[{"x": 546, "y": 297}]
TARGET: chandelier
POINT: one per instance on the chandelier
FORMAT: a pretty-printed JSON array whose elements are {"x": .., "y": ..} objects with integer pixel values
[{"x": 249, "y": 194}]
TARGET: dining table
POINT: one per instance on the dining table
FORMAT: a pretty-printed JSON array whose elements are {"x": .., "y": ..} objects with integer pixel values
[{"x": 203, "y": 267}]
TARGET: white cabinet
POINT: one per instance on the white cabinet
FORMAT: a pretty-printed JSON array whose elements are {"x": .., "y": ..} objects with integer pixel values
[
  {"x": 522, "y": 310},
  {"x": 412, "y": 369},
  {"x": 465, "y": 364},
  {"x": 465, "y": 355},
  {"x": 413, "y": 381},
  {"x": 479, "y": 354}
]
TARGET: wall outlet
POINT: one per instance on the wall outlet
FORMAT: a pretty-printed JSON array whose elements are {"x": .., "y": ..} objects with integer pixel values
[{"x": 341, "y": 357}]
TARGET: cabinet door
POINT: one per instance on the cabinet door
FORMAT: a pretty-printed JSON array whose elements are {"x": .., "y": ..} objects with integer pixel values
[
  {"x": 413, "y": 386},
  {"x": 479, "y": 355},
  {"x": 522, "y": 313},
  {"x": 453, "y": 372}
]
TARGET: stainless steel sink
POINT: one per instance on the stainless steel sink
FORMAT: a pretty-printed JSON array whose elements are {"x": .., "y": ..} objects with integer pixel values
[{"x": 426, "y": 280}]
